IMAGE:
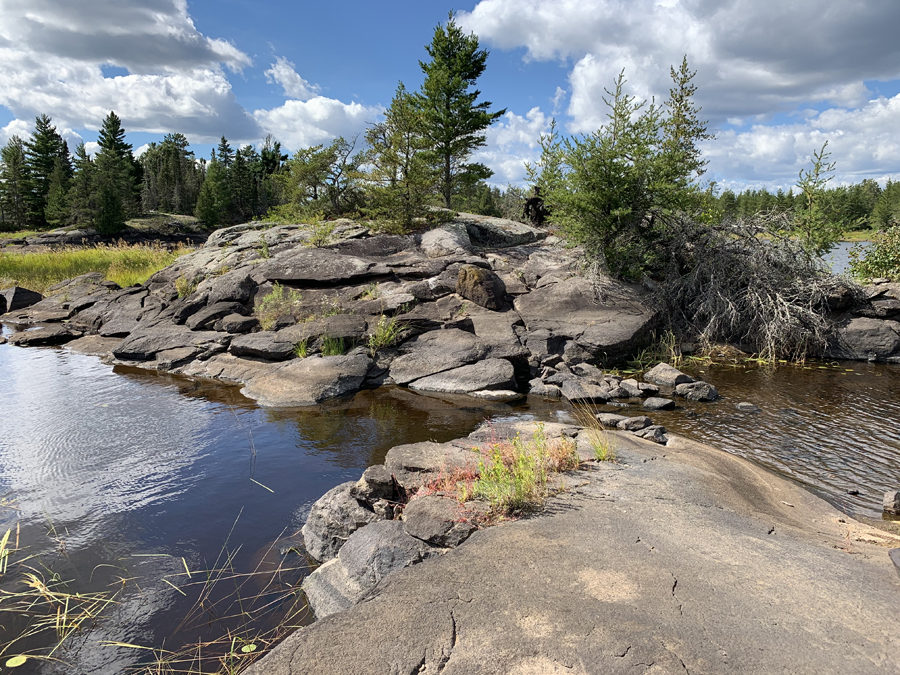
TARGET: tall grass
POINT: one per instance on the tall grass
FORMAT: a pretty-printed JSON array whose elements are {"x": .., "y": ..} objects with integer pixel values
[
  {"x": 602, "y": 446},
  {"x": 126, "y": 265}
]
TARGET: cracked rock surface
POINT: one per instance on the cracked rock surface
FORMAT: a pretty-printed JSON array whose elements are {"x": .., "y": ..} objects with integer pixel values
[{"x": 677, "y": 559}]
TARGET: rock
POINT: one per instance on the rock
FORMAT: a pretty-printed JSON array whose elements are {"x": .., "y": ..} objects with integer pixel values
[
  {"x": 329, "y": 589},
  {"x": 610, "y": 420},
  {"x": 580, "y": 391},
  {"x": 587, "y": 371},
  {"x": 347, "y": 327},
  {"x": 435, "y": 352},
  {"x": 486, "y": 374},
  {"x": 619, "y": 392},
  {"x": 666, "y": 375},
  {"x": 319, "y": 266},
  {"x": 331, "y": 521},
  {"x": 16, "y": 298},
  {"x": 93, "y": 345},
  {"x": 230, "y": 368},
  {"x": 561, "y": 377},
  {"x": 449, "y": 239},
  {"x": 184, "y": 308},
  {"x": 309, "y": 381},
  {"x": 236, "y": 286},
  {"x": 237, "y": 324},
  {"x": 490, "y": 232},
  {"x": 654, "y": 432},
  {"x": 437, "y": 520},
  {"x": 263, "y": 345},
  {"x": 610, "y": 330},
  {"x": 45, "y": 335},
  {"x": 632, "y": 388},
  {"x": 657, "y": 403},
  {"x": 882, "y": 308},
  {"x": 207, "y": 316},
  {"x": 697, "y": 391},
  {"x": 497, "y": 395},
  {"x": 2, "y": 340},
  {"x": 892, "y": 503},
  {"x": 634, "y": 423},
  {"x": 481, "y": 286},
  {"x": 414, "y": 464},
  {"x": 648, "y": 389},
  {"x": 376, "y": 483},
  {"x": 538, "y": 388},
  {"x": 746, "y": 407},
  {"x": 866, "y": 339},
  {"x": 894, "y": 555}
]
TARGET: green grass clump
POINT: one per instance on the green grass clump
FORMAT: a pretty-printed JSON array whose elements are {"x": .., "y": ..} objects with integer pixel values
[
  {"x": 333, "y": 346},
  {"x": 301, "y": 349},
  {"x": 280, "y": 302},
  {"x": 384, "y": 335},
  {"x": 513, "y": 475},
  {"x": 603, "y": 447},
  {"x": 185, "y": 286},
  {"x": 123, "y": 264}
]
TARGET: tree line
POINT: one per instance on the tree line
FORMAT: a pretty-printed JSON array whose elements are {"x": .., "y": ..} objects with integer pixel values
[{"x": 417, "y": 158}]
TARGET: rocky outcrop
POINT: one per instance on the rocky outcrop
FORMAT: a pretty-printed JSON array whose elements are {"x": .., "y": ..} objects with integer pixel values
[
  {"x": 868, "y": 330},
  {"x": 479, "y": 306},
  {"x": 16, "y": 298}
]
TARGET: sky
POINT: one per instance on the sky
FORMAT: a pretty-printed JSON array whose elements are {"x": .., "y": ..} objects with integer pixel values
[{"x": 776, "y": 79}]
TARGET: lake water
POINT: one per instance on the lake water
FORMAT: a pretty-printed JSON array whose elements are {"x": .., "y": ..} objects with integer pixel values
[
  {"x": 120, "y": 473},
  {"x": 838, "y": 258}
]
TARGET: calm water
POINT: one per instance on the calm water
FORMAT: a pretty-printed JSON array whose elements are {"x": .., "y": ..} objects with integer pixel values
[
  {"x": 838, "y": 258},
  {"x": 114, "y": 473}
]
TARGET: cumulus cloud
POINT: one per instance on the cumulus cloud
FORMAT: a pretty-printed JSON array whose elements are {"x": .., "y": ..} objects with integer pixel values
[
  {"x": 295, "y": 87},
  {"x": 511, "y": 143},
  {"x": 52, "y": 55},
  {"x": 752, "y": 58},
  {"x": 300, "y": 124}
]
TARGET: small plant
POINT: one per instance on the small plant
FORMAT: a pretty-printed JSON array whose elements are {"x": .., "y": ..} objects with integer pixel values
[
  {"x": 331, "y": 307},
  {"x": 185, "y": 286},
  {"x": 664, "y": 349},
  {"x": 263, "y": 247},
  {"x": 301, "y": 349},
  {"x": 321, "y": 232},
  {"x": 882, "y": 259},
  {"x": 372, "y": 292},
  {"x": 603, "y": 447},
  {"x": 279, "y": 302},
  {"x": 385, "y": 335},
  {"x": 333, "y": 346}
]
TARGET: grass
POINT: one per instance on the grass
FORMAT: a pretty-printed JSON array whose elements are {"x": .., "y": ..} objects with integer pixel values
[
  {"x": 123, "y": 264},
  {"x": 386, "y": 333},
  {"x": 321, "y": 232},
  {"x": 18, "y": 234},
  {"x": 333, "y": 346},
  {"x": 301, "y": 349},
  {"x": 602, "y": 446},
  {"x": 279, "y": 302},
  {"x": 859, "y": 235},
  {"x": 185, "y": 286},
  {"x": 664, "y": 349},
  {"x": 372, "y": 292}
]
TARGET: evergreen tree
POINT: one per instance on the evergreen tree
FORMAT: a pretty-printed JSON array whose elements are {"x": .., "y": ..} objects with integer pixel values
[
  {"x": 42, "y": 151},
  {"x": 401, "y": 179},
  {"x": 82, "y": 198},
  {"x": 214, "y": 200},
  {"x": 225, "y": 154},
  {"x": 57, "y": 212},
  {"x": 454, "y": 121},
  {"x": 113, "y": 178},
  {"x": 813, "y": 224},
  {"x": 172, "y": 177},
  {"x": 14, "y": 187}
]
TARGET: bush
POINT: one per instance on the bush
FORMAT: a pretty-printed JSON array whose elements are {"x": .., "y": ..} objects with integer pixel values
[{"x": 882, "y": 259}]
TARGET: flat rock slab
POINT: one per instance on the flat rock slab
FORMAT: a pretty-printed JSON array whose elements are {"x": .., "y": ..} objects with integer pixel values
[
  {"x": 93, "y": 345},
  {"x": 436, "y": 352},
  {"x": 309, "y": 381},
  {"x": 318, "y": 266},
  {"x": 487, "y": 374},
  {"x": 55, "y": 334},
  {"x": 689, "y": 561}
]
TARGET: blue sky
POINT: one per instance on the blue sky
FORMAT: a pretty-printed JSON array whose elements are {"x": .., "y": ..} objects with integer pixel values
[{"x": 776, "y": 79}]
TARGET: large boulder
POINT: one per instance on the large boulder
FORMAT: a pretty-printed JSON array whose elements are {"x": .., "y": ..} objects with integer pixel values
[
  {"x": 436, "y": 352},
  {"x": 17, "y": 297},
  {"x": 491, "y": 232},
  {"x": 236, "y": 286},
  {"x": 310, "y": 381},
  {"x": 414, "y": 464},
  {"x": 207, "y": 316},
  {"x": 481, "y": 286},
  {"x": 581, "y": 391},
  {"x": 568, "y": 311},
  {"x": 864, "y": 338},
  {"x": 486, "y": 374},
  {"x": 667, "y": 375},
  {"x": 449, "y": 239},
  {"x": 332, "y": 519}
]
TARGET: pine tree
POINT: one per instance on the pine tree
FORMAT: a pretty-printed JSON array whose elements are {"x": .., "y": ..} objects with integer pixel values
[
  {"x": 14, "y": 186},
  {"x": 82, "y": 198},
  {"x": 41, "y": 153},
  {"x": 114, "y": 178},
  {"x": 225, "y": 153},
  {"x": 454, "y": 121}
]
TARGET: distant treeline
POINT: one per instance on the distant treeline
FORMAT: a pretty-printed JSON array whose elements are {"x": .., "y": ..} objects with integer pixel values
[{"x": 855, "y": 207}]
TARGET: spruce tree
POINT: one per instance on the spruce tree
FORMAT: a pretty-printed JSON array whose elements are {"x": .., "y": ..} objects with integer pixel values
[
  {"x": 225, "y": 153},
  {"x": 214, "y": 200},
  {"x": 41, "y": 152},
  {"x": 114, "y": 178},
  {"x": 14, "y": 185},
  {"x": 82, "y": 197},
  {"x": 454, "y": 120},
  {"x": 57, "y": 210}
]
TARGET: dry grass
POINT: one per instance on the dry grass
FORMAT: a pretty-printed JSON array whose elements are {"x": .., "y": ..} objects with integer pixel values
[{"x": 603, "y": 447}]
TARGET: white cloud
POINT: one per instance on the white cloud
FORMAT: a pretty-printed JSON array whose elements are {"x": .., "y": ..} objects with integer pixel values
[
  {"x": 18, "y": 128},
  {"x": 300, "y": 124},
  {"x": 752, "y": 58},
  {"x": 511, "y": 143},
  {"x": 295, "y": 87}
]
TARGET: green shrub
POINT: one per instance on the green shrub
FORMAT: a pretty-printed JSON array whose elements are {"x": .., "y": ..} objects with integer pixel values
[
  {"x": 279, "y": 302},
  {"x": 882, "y": 259}
]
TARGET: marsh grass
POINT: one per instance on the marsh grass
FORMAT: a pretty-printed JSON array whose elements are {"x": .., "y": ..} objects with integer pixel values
[
  {"x": 279, "y": 302},
  {"x": 602, "y": 445},
  {"x": 124, "y": 264}
]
